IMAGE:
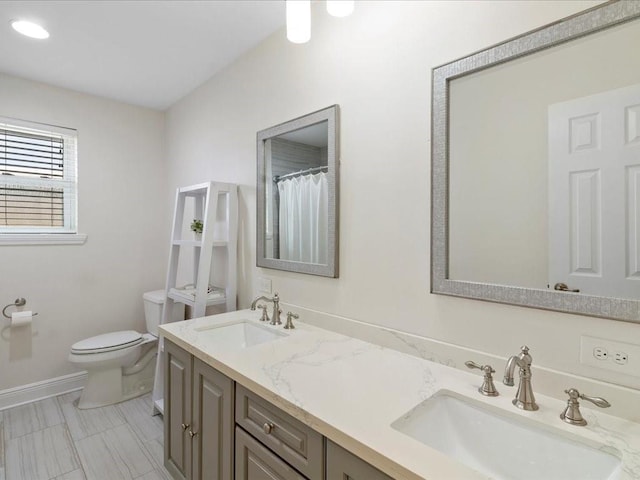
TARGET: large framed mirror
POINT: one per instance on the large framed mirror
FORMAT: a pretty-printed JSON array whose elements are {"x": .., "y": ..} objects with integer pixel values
[
  {"x": 536, "y": 168},
  {"x": 297, "y": 194}
]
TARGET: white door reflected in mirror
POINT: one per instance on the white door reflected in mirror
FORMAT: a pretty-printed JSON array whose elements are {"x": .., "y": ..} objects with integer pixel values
[{"x": 594, "y": 202}]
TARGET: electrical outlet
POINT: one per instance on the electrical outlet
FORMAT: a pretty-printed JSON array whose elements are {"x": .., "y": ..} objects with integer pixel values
[
  {"x": 620, "y": 358},
  {"x": 610, "y": 355},
  {"x": 265, "y": 285},
  {"x": 600, "y": 353}
]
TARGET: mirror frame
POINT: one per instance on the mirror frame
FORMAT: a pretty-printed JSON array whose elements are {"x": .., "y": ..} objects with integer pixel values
[
  {"x": 332, "y": 116},
  {"x": 584, "y": 23}
]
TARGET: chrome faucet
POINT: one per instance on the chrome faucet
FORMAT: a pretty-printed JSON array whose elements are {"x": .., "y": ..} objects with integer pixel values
[
  {"x": 524, "y": 396},
  {"x": 275, "y": 317}
]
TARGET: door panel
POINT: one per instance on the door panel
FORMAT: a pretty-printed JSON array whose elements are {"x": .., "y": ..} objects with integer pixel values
[
  {"x": 177, "y": 394},
  {"x": 633, "y": 221},
  {"x": 585, "y": 223},
  {"x": 213, "y": 410}
]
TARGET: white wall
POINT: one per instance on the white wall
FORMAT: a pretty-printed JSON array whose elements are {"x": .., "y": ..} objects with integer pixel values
[
  {"x": 85, "y": 290},
  {"x": 376, "y": 65}
]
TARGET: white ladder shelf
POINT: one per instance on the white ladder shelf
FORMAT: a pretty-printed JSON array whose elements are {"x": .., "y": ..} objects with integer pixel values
[{"x": 214, "y": 258}]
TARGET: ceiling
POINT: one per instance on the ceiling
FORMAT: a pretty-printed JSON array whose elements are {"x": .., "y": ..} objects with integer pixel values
[{"x": 148, "y": 53}]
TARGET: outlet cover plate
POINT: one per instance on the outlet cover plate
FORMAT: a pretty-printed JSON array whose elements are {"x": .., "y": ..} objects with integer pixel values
[{"x": 588, "y": 345}]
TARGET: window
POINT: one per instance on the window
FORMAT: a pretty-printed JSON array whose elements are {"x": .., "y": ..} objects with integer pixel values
[{"x": 38, "y": 181}]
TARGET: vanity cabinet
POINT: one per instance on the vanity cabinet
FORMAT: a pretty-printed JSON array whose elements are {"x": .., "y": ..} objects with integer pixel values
[
  {"x": 198, "y": 418},
  {"x": 213, "y": 426},
  {"x": 343, "y": 465}
]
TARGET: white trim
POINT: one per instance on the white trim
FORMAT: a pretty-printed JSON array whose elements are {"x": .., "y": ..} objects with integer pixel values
[
  {"x": 38, "y": 127},
  {"x": 43, "y": 239},
  {"x": 13, "y": 397}
]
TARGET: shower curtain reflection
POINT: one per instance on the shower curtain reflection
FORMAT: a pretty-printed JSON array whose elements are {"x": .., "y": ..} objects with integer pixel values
[{"x": 303, "y": 218}]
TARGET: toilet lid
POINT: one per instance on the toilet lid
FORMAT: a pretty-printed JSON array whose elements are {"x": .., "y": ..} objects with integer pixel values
[{"x": 107, "y": 342}]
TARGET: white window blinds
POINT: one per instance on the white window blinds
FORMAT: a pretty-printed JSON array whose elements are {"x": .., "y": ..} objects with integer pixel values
[{"x": 38, "y": 181}]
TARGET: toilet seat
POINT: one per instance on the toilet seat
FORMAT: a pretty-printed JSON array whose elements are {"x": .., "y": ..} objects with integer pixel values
[{"x": 107, "y": 342}]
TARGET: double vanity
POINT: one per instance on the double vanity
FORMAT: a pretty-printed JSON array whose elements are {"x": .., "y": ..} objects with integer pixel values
[{"x": 248, "y": 400}]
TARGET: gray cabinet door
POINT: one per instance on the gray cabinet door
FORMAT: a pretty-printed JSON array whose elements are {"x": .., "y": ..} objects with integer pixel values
[
  {"x": 213, "y": 422},
  {"x": 343, "y": 465},
  {"x": 255, "y": 462},
  {"x": 177, "y": 411}
]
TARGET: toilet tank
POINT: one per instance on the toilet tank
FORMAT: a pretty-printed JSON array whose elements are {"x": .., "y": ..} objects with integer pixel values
[{"x": 153, "y": 302}]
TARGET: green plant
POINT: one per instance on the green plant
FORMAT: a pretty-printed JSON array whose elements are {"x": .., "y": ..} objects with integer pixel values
[{"x": 196, "y": 226}]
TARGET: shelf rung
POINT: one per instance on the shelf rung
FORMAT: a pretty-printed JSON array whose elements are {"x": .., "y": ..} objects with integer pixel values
[
  {"x": 195, "y": 189},
  {"x": 198, "y": 243},
  {"x": 216, "y": 297},
  {"x": 188, "y": 243}
]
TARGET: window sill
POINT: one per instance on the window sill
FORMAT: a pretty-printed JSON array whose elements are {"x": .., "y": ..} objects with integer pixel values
[{"x": 43, "y": 239}]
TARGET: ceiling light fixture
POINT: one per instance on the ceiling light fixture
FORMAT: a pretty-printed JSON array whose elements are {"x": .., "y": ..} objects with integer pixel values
[
  {"x": 340, "y": 8},
  {"x": 299, "y": 17},
  {"x": 298, "y": 20},
  {"x": 29, "y": 29}
]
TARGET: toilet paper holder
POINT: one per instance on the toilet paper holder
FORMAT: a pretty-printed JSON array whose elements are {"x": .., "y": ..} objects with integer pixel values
[{"x": 19, "y": 302}]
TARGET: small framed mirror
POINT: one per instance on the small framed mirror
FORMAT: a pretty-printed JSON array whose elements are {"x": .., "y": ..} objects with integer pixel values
[{"x": 297, "y": 194}]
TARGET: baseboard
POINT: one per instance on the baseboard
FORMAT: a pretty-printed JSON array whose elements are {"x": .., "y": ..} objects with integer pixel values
[{"x": 13, "y": 397}]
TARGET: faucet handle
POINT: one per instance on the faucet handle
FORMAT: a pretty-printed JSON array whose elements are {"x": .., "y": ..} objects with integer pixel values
[
  {"x": 265, "y": 315},
  {"x": 597, "y": 401},
  {"x": 571, "y": 414},
  {"x": 488, "y": 388},
  {"x": 290, "y": 316},
  {"x": 473, "y": 365},
  {"x": 574, "y": 394}
]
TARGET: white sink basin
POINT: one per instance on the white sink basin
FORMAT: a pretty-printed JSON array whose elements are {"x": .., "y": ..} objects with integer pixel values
[
  {"x": 503, "y": 446},
  {"x": 239, "y": 334}
]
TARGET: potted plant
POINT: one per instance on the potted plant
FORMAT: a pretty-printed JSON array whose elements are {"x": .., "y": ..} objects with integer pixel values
[{"x": 196, "y": 227}]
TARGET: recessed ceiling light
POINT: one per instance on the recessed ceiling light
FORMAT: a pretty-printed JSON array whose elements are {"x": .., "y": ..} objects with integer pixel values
[{"x": 29, "y": 29}]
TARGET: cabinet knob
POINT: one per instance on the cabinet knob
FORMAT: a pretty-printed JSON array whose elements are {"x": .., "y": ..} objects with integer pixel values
[
  {"x": 185, "y": 426},
  {"x": 268, "y": 427},
  {"x": 192, "y": 433}
]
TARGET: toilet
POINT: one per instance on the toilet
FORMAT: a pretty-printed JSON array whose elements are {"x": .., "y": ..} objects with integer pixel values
[{"x": 121, "y": 365}]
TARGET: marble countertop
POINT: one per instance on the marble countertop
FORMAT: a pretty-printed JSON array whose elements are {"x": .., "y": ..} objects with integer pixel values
[{"x": 352, "y": 391}]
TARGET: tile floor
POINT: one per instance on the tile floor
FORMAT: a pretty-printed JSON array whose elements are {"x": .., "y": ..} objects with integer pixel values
[{"x": 52, "y": 440}]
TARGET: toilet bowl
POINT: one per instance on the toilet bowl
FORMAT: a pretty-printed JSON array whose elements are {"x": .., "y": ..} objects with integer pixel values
[{"x": 121, "y": 365}]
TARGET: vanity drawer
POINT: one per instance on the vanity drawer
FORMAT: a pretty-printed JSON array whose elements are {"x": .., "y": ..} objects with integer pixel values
[
  {"x": 289, "y": 438},
  {"x": 255, "y": 462},
  {"x": 342, "y": 464}
]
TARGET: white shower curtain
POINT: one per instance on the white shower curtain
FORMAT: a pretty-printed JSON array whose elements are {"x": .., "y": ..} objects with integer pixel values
[{"x": 303, "y": 218}]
